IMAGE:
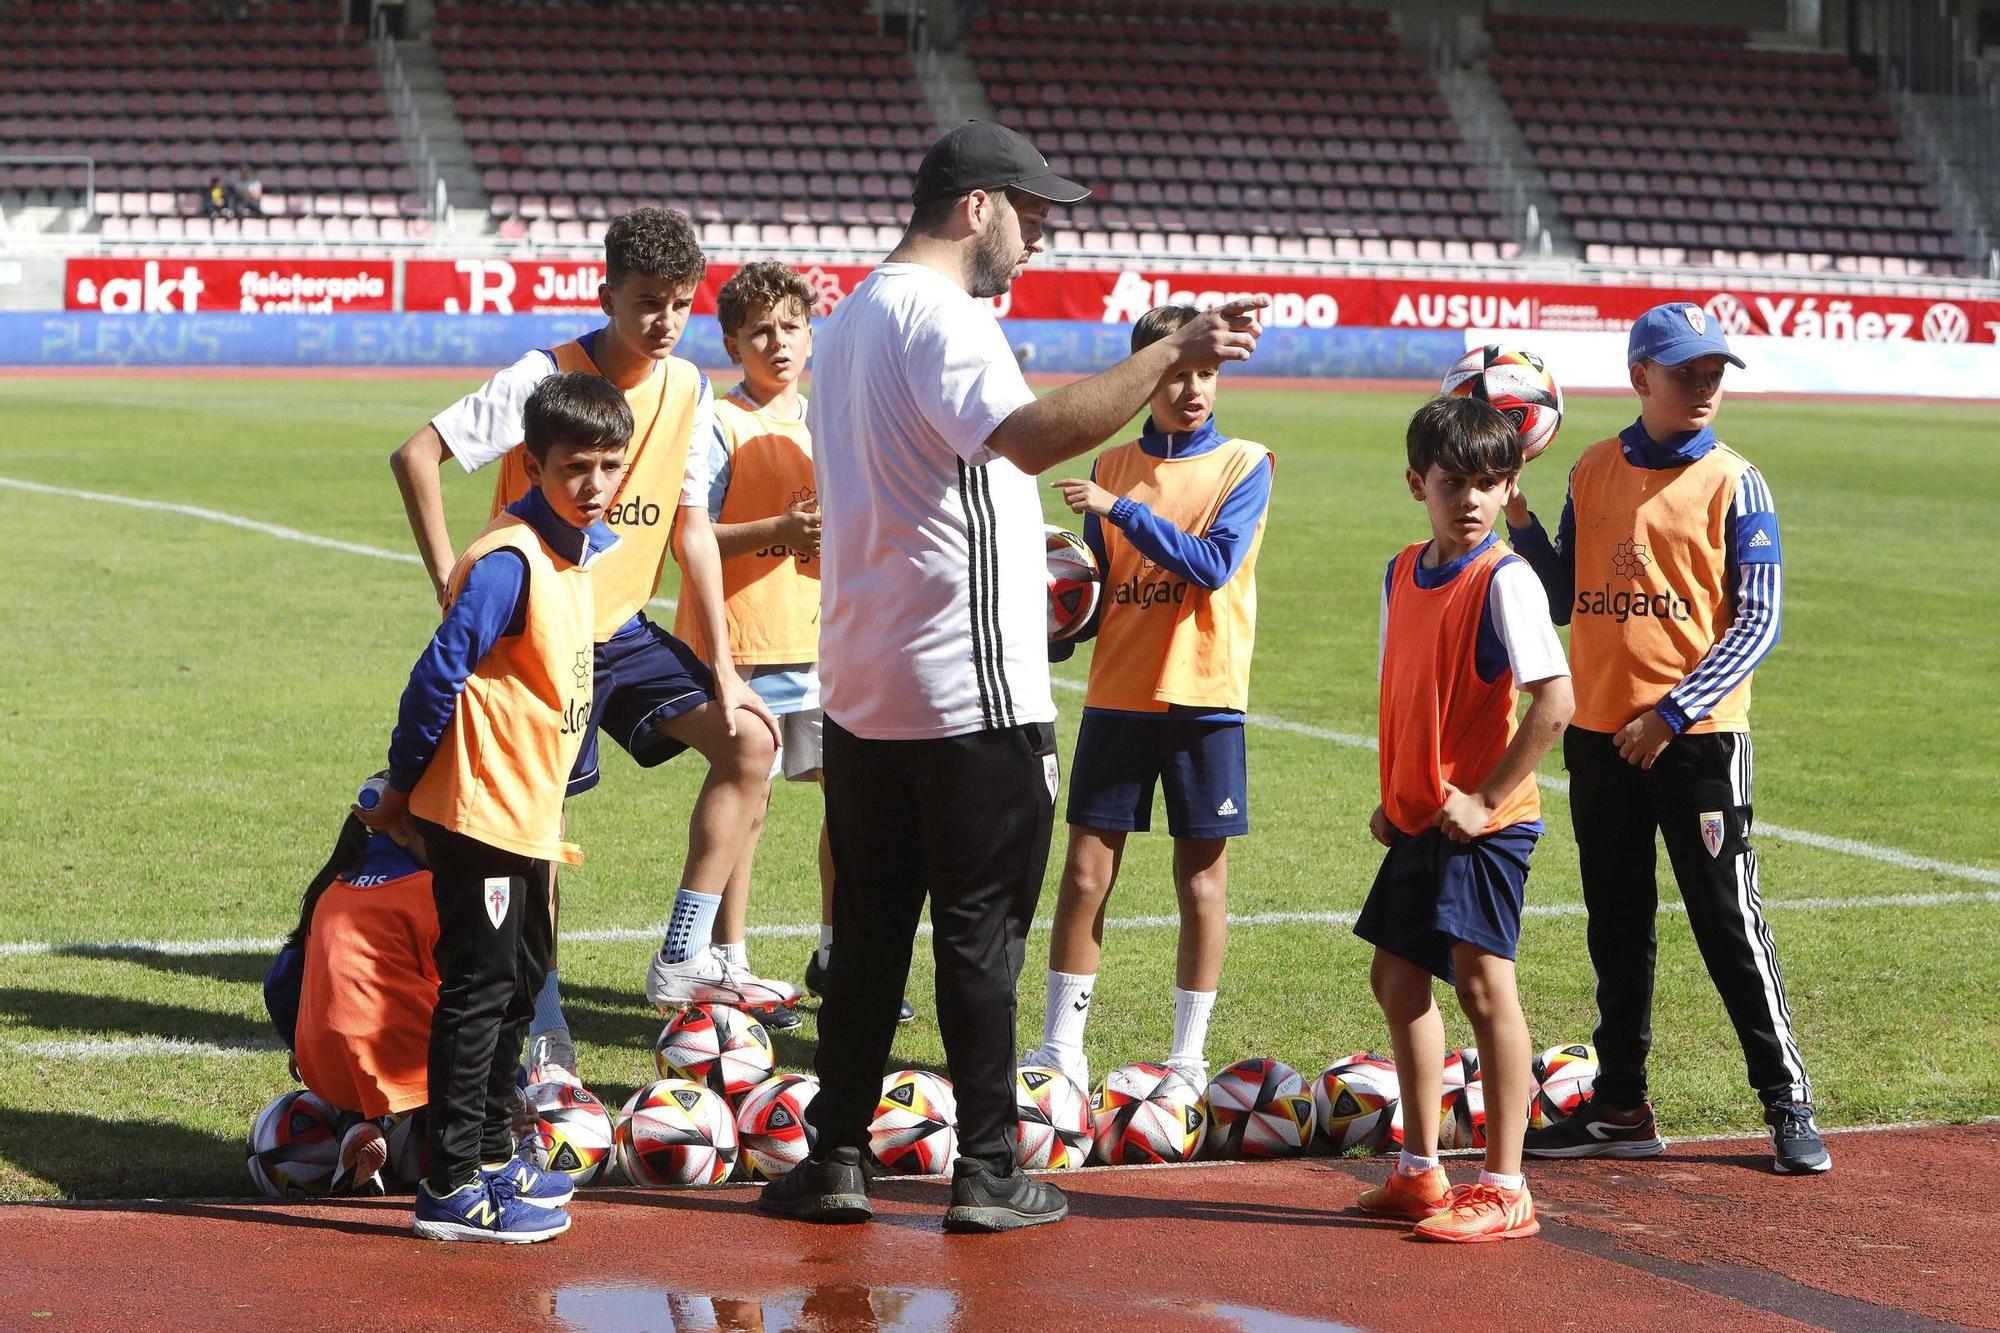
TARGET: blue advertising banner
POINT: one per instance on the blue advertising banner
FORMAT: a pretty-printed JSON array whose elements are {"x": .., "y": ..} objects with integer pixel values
[{"x": 84, "y": 340}]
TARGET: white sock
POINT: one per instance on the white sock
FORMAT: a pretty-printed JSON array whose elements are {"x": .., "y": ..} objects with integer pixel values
[
  {"x": 1067, "y": 1014},
  {"x": 738, "y": 953},
  {"x": 1191, "y": 1010},
  {"x": 825, "y": 950},
  {"x": 1412, "y": 1165},
  {"x": 1504, "y": 1182}
]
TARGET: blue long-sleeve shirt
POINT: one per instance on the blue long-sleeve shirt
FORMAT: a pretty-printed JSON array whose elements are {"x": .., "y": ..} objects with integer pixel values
[
  {"x": 1756, "y": 571},
  {"x": 490, "y": 605}
]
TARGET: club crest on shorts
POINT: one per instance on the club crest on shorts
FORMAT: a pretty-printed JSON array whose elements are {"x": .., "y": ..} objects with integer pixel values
[
  {"x": 1052, "y": 774},
  {"x": 499, "y": 892},
  {"x": 1711, "y": 831}
]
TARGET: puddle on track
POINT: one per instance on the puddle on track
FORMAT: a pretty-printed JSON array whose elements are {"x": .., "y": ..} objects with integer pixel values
[{"x": 620, "y": 1307}]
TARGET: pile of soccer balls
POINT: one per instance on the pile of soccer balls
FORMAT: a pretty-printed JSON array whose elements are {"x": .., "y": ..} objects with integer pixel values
[{"x": 719, "y": 1112}]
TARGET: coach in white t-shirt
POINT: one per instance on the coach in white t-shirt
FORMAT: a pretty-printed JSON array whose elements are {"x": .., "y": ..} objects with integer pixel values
[{"x": 940, "y": 745}]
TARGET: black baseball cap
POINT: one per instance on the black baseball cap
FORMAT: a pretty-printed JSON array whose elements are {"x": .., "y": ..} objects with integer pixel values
[{"x": 980, "y": 155}]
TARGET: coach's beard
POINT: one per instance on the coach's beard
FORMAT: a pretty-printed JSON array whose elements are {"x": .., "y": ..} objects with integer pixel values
[{"x": 989, "y": 271}]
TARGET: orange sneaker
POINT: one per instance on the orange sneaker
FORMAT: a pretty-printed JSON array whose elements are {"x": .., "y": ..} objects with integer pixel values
[
  {"x": 1413, "y": 1196},
  {"x": 1482, "y": 1212}
]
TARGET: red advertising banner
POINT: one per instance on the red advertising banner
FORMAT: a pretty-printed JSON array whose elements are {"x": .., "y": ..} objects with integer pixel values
[
  {"x": 188, "y": 286},
  {"x": 1112, "y": 296}
]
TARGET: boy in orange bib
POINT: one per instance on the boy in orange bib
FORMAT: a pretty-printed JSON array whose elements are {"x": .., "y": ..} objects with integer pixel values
[
  {"x": 1464, "y": 625},
  {"x": 351, "y": 992},
  {"x": 486, "y": 738},
  {"x": 1176, "y": 518},
  {"x": 1668, "y": 570}
]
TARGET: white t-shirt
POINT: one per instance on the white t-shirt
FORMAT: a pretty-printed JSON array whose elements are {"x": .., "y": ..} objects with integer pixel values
[
  {"x": 1517, "y": 608},
  {"x": 486, "y": 423},
  {"x": 933, "y": 583}
]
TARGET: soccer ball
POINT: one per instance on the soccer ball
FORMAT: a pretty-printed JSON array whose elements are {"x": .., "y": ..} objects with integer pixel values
[
  {"x": 572, "y": 1131},
  {"x": 1055, "y": 1130},
  {"x": 771, "y": 1126},
  {"x": 1465, "y": 1127},
  {"x": 1446, "y": 1133},
  {"x": 1073, "y": 583},
  {"x": 1461, "y": 1068},
  {"x": 915, "y": 1130},
  {"x": 295, "y": 1146},
  {"x": 1258, "y": 1108},
  {"x": 675, "y": 1132},
  {"x": 1515, "y": 381},
  {"x": 1148, "y": 1113},
  {"x": 1354, "y": 1099},
  {"x": 713, "y": 1044},
  {"x": 1564, "y": 1076}
]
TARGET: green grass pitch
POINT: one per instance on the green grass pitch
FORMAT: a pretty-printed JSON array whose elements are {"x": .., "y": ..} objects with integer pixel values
[{"x": 189, "y": 705}]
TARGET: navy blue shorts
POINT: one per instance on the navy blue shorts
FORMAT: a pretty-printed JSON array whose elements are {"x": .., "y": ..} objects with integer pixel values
[
  {"x": 1432, "y": 892},
  {"x": 644, "y": 676},
  {"x": 1201, "y": 764}
]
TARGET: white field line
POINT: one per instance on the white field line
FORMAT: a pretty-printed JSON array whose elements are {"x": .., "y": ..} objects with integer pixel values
[
  {"x": 810, "y": 930},
  {"x": 1844, "y": 846}
]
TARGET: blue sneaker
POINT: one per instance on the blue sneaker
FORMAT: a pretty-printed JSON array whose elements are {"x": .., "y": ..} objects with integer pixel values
[
  {"x": 522, "y": 1179},
  {"x": 477, "y": 1212}
]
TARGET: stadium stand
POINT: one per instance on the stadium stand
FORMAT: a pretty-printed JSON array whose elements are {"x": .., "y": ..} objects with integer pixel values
[
  {"x": 1676, "y": 144},
  {"x": 1325, "y": 138},
  {"x": 771, "y": 122},
  {"x": 165, "y": 96}
]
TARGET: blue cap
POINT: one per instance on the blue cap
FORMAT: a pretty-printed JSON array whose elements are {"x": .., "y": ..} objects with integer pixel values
[{"x": 1675, "y": 333}]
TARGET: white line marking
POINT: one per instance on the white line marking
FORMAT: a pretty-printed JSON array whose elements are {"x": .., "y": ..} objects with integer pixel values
[
  {"x": 132, "y": 1048},
  {"x": 1843, "y": 846},
  {"x": 810, "y": 930}
]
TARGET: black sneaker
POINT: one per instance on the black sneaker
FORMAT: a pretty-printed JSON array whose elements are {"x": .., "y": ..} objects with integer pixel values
[
  {"x": 982, "y": 1201},
  {"x": 1796, "y": 1147},
  {"x": 816, "y": 983},
  {"x": 778, "y": 1018},
  {"x": 821, "y": 1189},
  {"x": 1597, "y": 1131}
]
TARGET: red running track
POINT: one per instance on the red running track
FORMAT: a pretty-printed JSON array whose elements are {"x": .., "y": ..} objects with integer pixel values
[{"x": 1900, "y": 1236}]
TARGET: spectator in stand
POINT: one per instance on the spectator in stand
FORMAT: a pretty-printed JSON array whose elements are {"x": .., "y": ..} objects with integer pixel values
[
  {"x": 246, "y": 193},
  {"x": 215, "y": 199}
]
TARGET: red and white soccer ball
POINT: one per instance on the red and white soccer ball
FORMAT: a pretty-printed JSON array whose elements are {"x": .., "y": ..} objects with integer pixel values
[
  {"x": 573, "y": 1131},
  {"x": 675, "y": 1132},
  {"x": 771, "y": 1125},
  {"x": 1073, "y": 583},
  {"x": 1564, "y": 1076},
  {"x": 713, "y": 1044},
  {"x": 1354, "y": 1100},
  {"x": 1516, "y": 382},
  {"x": 1148, "y": 1113},
  {"x": 1461, "y": 1067},
  {"x": 295, "y": 1146},
  {"x": 1447, "y": 1107},
  {"x": 1258, "y": 1108},
  {"x": 915, "y": 1130},
  {"x": 1055, "y": 1130}
]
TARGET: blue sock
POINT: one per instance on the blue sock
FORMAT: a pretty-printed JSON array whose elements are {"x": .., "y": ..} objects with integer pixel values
[
  {"x": 692, "y": 926},
  {"x": 548, "y": 1007}
]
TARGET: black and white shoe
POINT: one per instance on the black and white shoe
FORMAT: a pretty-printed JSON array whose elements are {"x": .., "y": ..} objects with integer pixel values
[
  {"x": 1796, "y": 1147},
  {"x": 983, "y": 1201},
  {"x": 816, "y": 983},
  {"x": 1593, "y": 1130}
]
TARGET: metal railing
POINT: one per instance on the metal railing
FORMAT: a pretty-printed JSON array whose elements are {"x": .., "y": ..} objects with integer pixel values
[
  {"x": 402, "y": 103},
  {"x": 89, "y": 165}
]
